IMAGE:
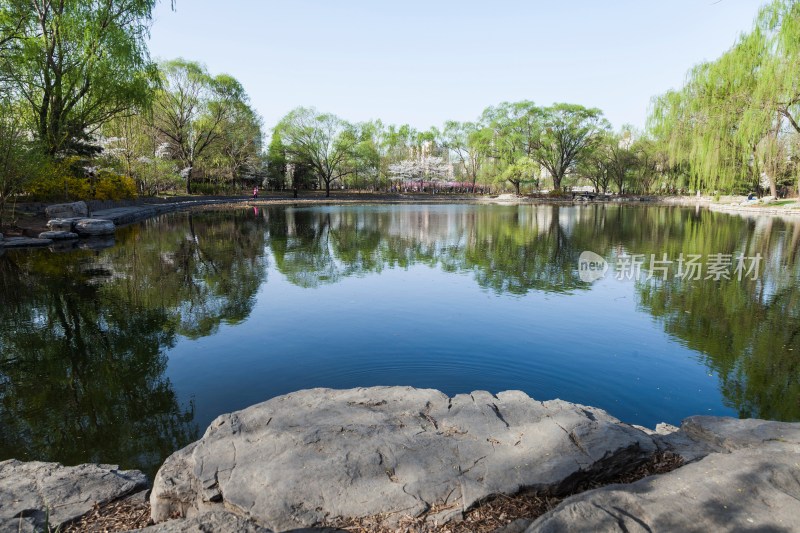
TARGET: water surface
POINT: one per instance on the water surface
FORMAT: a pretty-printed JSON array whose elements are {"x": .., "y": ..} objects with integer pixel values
[{"x": 124, "y": 354}]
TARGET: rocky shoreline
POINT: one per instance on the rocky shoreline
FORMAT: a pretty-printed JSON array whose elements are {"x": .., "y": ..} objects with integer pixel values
[{"x": 394, "y": 456}]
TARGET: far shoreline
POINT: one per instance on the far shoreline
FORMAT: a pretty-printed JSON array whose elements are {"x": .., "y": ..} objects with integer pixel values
[{"x": 31, "y": 219}]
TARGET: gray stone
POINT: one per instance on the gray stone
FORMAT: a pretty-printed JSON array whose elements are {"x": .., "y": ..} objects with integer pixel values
[
  {"x": 74, "y": 209},
  {"x": 298, "y": 459},
  {"x": 62, "y": 224},
  {"x": 729, "y": 434},
  {"x": 94, "y": 226},
  {"x": 746, "y": 490},
  {"x": 745, "y": 476},
  {"x": 35, "y": 494},
  {"x": 210, "y": 522},
  {"x": 25, "y": 242},
  {"x": 701, "y": 435},
  {"x": 58, "y": 235}
]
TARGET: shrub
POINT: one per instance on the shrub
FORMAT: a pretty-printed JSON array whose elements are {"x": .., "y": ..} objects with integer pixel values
[
  {"x": 64, "y": 181},
  {"x": 111, "y": 186},
  {"x": 56, "y": 181}
]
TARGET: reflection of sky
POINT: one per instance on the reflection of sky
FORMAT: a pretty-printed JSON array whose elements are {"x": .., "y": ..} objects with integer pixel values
[{"x": 423, "y": 327}]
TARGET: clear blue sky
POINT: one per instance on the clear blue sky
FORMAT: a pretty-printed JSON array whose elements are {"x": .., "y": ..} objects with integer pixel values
[{"x": 424, "y": 62}]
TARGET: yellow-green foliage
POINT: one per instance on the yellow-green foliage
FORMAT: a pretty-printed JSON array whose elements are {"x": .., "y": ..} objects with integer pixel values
[
  {"x": 112, "y": 186},
  {"x": 57, "y": 181},
  {"x": 64, "y": 180}
]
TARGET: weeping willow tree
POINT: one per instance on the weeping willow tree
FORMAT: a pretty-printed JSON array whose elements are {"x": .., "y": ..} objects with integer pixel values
[{"x": 731, "y": 126}]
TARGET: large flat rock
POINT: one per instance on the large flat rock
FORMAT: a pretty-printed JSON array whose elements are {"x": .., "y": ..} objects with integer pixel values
[
  {"x": 74, "y": 209},
  {"x": 746, "y": 490},
  {"x": 93, "y": 227},
  {"x": 35, "y": 494},
  {"x": 748, "y": 479},
  {"x": 297, "y": 460}
]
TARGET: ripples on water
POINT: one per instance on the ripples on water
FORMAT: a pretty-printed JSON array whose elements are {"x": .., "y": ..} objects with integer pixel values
[{"x": 126, "y": 353}]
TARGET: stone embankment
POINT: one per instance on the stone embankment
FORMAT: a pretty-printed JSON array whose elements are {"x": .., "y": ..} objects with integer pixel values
[
  {"x": 324, "y": 456},
  {"x": 66, "y": 223}
]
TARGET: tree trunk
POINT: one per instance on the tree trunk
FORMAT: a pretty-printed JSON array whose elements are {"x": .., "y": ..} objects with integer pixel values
[
  {"x": 516, "y": 186},
  {"x": 189, "y": 180},
  {"x": 556, "y": 182},
  {"x": 327, "y": 188}
]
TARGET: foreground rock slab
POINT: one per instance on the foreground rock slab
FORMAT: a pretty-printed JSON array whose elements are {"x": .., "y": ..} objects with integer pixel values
[
  {"x": 746, "y": 490},
  {"x": 36, "y": 494},
  {"x": 316, "y": 455},
  {"x": 748, "y": 479}
]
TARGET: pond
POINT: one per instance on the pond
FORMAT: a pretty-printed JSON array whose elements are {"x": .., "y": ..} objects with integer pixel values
[{"x": 124, "y": 354}]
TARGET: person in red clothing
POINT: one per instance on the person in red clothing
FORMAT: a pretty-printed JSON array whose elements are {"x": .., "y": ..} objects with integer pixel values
[{"x": 255, "y": 192}]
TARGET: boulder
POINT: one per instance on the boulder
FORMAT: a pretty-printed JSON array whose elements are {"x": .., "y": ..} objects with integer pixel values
[
  {"x": 728, "y": 434},
  {"x": 58, "y": 235},
  {"x": 93, "y": 227},
  {"x": 746, "y": 490},
  {"x": 747, "y": 479},
  {"x": 216, "y": 521},
  {"x": 74, "y": 209},
  {"x": 62, "y": 224},
  {"x": 36, "y": 494},
  {"x": 701, "y": 435},
  {"x": 323, "y": 454}
]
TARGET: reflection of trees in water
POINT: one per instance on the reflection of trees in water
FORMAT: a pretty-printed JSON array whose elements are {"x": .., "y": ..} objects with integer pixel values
[
  {"x": 203, "y": 268},
  {"x": 83, "y": 337},
  {"x": 509, "y": 250},
  {"x": 747, "y": 331}
]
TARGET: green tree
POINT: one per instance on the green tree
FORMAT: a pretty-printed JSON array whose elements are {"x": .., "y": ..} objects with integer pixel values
[
  {"x": 325, "y": 142},
  {"x": 520, "y": 171},
  {"x": 462, "y": 139},
  {"x": 18, "y": 156},
  {"x": 276, "y": 163},
  {"x": 730, "y": 121},
  {"x": 563, "y": 135},
  {"x": 237, "y": 156},
  {"x": 192, "y": 109},
  {"x": 76, "y": 64}
]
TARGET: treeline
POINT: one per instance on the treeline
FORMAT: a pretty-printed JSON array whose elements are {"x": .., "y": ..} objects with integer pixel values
[
  {"x": 515, "y": 145},
  {"x": 733, "y": 127},
  {"x": 86, "y": 113}
]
